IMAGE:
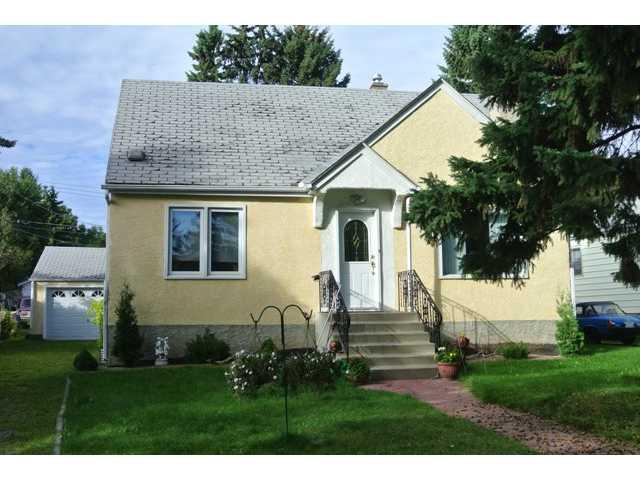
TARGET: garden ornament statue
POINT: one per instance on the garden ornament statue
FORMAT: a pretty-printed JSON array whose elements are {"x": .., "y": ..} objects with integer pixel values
[
  {"x": 162, "y": 350},
  {"x": 281, "y": 312}
]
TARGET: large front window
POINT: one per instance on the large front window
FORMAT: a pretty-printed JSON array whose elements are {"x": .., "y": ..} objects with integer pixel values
[
  {"x": 451, "y": 252},
  {"x": 206, "y": 242}
]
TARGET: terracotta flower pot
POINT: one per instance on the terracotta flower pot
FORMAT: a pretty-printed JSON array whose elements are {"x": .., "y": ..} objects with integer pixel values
[{"x": 448, "y": 370}]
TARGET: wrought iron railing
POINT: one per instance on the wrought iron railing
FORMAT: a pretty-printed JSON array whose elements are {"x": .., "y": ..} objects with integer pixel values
[
  {"x": 331, "y": 301},
  {"x": 413, "y": 296}
]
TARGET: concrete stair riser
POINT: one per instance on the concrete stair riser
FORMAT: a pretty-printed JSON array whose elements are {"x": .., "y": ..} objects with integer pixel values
[
  {"x": 392, "y": 348},
  {"x": 395, "y": 337},
  {"x": 385, "y": 327},
  {"x": 404, "y": 373}
]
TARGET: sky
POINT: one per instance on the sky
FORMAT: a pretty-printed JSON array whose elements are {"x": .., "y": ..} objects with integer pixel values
[{"x": 59, "y": 90}]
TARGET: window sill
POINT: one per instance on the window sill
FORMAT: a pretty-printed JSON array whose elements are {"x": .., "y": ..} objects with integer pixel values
[{"x": 235, "y": 276}]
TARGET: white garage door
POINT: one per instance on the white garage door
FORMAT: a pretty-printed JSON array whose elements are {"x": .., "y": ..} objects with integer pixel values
[{"x": 68, "y": 313}]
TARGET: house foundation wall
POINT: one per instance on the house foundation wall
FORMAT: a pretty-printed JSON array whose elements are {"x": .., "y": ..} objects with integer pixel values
[
  {"x": 538, "y": 334},
  {"x": 238, "y": 337}
]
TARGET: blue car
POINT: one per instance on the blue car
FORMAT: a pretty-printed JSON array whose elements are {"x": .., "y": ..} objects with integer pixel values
[{"x": 607, "y": 321}]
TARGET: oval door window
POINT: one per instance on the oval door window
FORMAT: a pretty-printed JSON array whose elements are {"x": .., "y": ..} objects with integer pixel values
[{"x": 356, "y": 241}]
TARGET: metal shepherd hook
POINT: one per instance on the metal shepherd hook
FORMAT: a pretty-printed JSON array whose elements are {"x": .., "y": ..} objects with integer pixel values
[{"x": 307, "y": 317}]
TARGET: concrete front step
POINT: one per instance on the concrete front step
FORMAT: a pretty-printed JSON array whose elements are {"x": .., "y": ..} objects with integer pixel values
[
  {"x": 388, "y": 337},
  {"x": 402, "y": 372},
  {"x": 394, "y": 343},
  {"x": 366, "y": 349},
  {"x": 402, "y": 326},
  {"x": 384, "y": 317},
  {"x": 399, "y": 359}
]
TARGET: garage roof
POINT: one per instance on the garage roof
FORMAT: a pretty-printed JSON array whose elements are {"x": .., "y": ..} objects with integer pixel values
[{"x": 70, "y": 263}]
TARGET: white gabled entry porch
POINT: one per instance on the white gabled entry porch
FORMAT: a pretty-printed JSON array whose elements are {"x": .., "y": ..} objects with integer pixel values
[{"x": 358, "y": 208}]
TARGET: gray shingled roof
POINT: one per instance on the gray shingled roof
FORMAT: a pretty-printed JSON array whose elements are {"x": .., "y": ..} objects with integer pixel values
[
  {"x": 238, "y": 135},
  {"x": 70, "y": 263}
]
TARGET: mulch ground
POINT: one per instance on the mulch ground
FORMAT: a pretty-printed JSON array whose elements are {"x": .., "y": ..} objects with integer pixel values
[{"x": 537, "y": 433}]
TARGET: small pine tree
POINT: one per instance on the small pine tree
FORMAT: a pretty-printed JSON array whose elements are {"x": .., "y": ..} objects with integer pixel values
[
  {"x": 569, "y": 338},
  {"x": 127, "y": 343},
  {"x": 6, "y": 325}
]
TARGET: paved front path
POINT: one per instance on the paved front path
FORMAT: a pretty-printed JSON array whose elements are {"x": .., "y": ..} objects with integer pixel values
[{"x": 538, "y": 434}]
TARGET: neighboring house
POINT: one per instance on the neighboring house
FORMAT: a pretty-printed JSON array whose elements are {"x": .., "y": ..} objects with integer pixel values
[
  {"x": 224, "y": 198},
  {"x": 593, "y": 272},
  {"x": 65, "y": 281},
  {"x": 25, "y": 288}
]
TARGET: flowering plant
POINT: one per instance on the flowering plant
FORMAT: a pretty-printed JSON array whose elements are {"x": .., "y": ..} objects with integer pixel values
[
  {"x": 249, "y": 371},
  {"x": 448, "y": 355}
]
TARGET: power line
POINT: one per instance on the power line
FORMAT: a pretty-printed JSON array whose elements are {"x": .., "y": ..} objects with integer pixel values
[
  {"x": 43, "y": 237},
  {"x": 27, "y": 222}
]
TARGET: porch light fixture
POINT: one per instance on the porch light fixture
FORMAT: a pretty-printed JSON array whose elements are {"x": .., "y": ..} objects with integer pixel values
[{"x": 357, "y": 199}]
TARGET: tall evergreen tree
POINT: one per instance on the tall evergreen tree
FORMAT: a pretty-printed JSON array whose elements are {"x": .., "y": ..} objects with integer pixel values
[
  {"x": 296, "y": 55},
  {"x": 567, "y": 160},
  {"x": 207, "y": 56},
  {"x": 127, "y": 341},
  {"x": 462, "y": 44},
  {"x": 307, "y": 56}
]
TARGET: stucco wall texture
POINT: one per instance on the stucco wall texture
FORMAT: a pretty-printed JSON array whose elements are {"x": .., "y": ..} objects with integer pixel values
[{"x": 283, "y": 253}]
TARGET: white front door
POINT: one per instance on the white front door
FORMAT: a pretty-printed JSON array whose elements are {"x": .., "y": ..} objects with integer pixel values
[{"x": 360, "y": 259}]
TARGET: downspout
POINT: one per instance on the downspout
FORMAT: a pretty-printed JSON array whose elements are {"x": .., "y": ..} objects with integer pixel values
[
  {"x": 409, "y": 245},
  {"x": 105, "y": 325}
]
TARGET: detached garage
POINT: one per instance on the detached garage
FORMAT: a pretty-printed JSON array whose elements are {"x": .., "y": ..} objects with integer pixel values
[{"x": 65, "y": 281}]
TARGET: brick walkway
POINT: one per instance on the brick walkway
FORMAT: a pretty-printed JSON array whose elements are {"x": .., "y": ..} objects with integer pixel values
[{"x": 538, "y": 434}]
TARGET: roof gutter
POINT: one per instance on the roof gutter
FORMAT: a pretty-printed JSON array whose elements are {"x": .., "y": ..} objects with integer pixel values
[{"x": 207, "y": 190}]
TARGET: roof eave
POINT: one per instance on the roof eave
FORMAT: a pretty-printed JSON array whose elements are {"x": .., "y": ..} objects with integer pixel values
[{"x": 301, "y": 191}]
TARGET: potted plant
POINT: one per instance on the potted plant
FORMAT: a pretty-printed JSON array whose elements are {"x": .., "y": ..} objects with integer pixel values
[
  {"x": 448, "y": 360},
  {"x": 335, "y": 346}
]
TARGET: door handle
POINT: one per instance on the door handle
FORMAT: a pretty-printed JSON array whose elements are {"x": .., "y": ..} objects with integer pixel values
[{"x": 373, "y": 264}]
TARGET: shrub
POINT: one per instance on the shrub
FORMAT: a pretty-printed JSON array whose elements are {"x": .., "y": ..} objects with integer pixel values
[
  {"x": 513, "y": 350},
  {"x": 249, "y": 371},
  {"x": 356, "y": 370},
  {"x": 7, "y": 325},
  {"x": 127, "y": 344},
  {"x": 96, "y": 314},
  {"x": 569, "y": 338},
  {"x": 84, "y": 361},
  {"x": 268, "y": 346},
  {"x": 206, "y": 348},
  {"x": 314, "y": 369}
]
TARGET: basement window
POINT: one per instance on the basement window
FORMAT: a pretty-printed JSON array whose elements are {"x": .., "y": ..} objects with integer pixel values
[{"x": 207, "y": 241}]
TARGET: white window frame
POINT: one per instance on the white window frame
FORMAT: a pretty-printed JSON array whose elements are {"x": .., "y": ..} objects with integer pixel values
[{"x": 204, "y": 272}]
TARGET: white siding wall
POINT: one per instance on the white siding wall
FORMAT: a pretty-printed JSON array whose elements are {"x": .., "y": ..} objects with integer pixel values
[{"x": 596, "y": 282}]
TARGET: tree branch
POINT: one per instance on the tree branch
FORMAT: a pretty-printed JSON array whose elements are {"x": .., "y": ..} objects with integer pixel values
[{"x": 621, "y": 133}]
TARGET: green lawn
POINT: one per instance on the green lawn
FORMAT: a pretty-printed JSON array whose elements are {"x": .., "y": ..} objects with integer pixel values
[
  {"x": 597, "y": 392},
  {"x": 190, "y": 410},
  {"x": 32, "y": 380}
]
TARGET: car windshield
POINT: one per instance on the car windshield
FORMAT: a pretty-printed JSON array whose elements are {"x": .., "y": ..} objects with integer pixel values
[
  {"x": 25, "y": 303},
  {"x": 603, "y": 309}
]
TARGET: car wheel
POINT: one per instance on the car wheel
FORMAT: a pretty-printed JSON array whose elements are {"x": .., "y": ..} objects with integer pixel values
[
  {"x": 629, "y": 340},
  {"x": 592, "y": 336}
]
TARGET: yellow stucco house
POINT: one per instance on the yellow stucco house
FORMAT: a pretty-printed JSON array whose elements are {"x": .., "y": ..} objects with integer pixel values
[{"x": 224, "y": 198}]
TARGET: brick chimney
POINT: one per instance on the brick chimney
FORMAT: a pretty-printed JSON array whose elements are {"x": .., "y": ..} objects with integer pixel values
[{"x": 378, "y": 84}]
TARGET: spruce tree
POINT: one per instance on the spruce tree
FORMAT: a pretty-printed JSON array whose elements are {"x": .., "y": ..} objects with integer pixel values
[
  {"x": 462, "y": 44},
  {"x": 207, "y": 56},
  {"x": 306, "y": 56},
  {"x": 127, "y": 344},
  {"x": 566, "y": 160},
  {"x": 296, "y": 55}
]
